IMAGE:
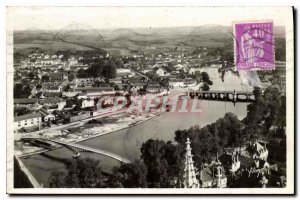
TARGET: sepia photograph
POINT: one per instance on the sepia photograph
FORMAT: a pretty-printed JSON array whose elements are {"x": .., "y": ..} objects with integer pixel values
[{"x": 150, "y": 100}]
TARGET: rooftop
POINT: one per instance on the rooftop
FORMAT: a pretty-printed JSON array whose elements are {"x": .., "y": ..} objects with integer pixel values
[
  {"x": 25, "y": 101},
  {"x": 28, "y": 116}
]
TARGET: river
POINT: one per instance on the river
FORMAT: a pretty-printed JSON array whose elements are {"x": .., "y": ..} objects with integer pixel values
[{"x": 127, "y": 142}]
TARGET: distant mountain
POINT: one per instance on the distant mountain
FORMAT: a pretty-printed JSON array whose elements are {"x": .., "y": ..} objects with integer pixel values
[{"x": 134, "y": 38}]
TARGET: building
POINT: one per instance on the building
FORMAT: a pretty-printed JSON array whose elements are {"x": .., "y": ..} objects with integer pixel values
[
  {"x": 213, "y": 176},
  {"x": 87, "y": 103},
  {"x": 72, "y": 61},
  {"x": 46, "y": 117},
  {"x": 256, "y": 150},
  {"x": 27, "y": 102},
  {"x": 29, "y": 120},
  {"x": 161, "y": 72},
  {"x": 194, "y": 70},
  {"x": 175, "y": 83},
  {"x": 123, "y": 72},
  {"x": 231, "y": 162},
  {"x": 189, "y": 177},
  {"x": 104, "y": 102}
]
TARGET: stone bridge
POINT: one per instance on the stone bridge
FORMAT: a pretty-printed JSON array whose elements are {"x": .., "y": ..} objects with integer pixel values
[{"x": 234, "y": 95}]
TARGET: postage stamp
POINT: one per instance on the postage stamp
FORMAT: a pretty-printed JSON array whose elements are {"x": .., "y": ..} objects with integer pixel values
[{"x": 254, "y": 45}]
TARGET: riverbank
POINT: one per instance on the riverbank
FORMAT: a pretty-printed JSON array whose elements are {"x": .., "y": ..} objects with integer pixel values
[
  {"x": 22, "y": 176},
  {"x": 88, "y": 133}
]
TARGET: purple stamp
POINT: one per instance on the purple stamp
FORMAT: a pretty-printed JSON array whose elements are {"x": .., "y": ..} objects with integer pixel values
[{"x": 254, "y": 46}]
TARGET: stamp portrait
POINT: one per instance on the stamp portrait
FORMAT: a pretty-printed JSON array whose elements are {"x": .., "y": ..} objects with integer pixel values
[{"x": 254, "y": 46}]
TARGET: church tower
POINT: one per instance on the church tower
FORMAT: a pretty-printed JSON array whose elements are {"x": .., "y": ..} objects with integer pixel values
[{"x": 189, "y": 177}]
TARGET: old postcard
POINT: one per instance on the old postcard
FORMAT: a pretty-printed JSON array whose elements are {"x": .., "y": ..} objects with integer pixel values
[{"x": 150, "y": 100}]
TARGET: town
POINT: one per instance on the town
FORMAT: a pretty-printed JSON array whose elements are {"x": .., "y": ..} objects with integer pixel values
[{"x": 57, "y": 96}]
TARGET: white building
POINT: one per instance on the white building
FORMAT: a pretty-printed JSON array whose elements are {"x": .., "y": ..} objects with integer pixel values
[
  {"x": 29, "y": 120},
  {"x": 72, "y": 61},
  {"x": 161, "y": 72},
  {"x": 193, "y": 70},
  {"x": 87, "y": 103}
]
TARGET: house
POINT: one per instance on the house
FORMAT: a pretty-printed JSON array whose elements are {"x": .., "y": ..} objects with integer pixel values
[
  {"x": 48, "y": 61},
  {"x": 194, "y": 70},
  {"x": 116, "y": 80},
  {"x": 123, "y": 72},
  {"x": 180, "y": 67},
  {"x": 72, "y": 61},
  {"x": 46, "y": 116},
  {"x": 231, "y": 162},
  {"x": 173, "y": 83},
  {"x": 104, "y": 102},
  {"x": 54, "y": 103},
  {"x": 256, "y": 150},
  {"x": 28, "y": 120},
  {"x": 53, "y": 94},
  {"x": 25, "y": 102},
  {"x": 161, "y": 72},
  {"x": 190, "y": 82},
  {"x": 213, "y": 177},
  {"x": 93, "y": 92},
  {"x": 58, "y": 76},
  {"x": 82, "y": 95},
  {"x": 50, "y": 101},
  {"x": 153, "y": 90},
  {"x": 54, "y": 89},
  {"x": 87, "y": 103}
]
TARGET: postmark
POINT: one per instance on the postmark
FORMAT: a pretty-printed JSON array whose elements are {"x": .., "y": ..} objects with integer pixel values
[{"x": 254, "y": 45}]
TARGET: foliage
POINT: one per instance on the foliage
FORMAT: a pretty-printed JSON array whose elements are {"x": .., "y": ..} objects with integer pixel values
[
  {"x": 84, "y": 173},
  {"x": 100, "y": 68},
  {"x": 132, "y": 175},
  {"x": 21, "y": 111},
  {"x": 163, "y": 162},
  {"x": 22, "y": 90},
  {"x": 268, "y": 109},
  {"x": 205, "y": 87},
  {"x": 209, "y": 140},
  {"x": 45, "y": 78}
]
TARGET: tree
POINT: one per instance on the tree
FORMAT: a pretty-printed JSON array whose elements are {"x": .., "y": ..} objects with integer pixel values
[
  {"x": 152, "y": 155},
  {"x": 45, "y": 78},
  {"x": 209, "y": 140},
  {"x": 132, "y": 175},
  {"x": 109, "y": 70},
  {"x": 84, "y": 173},
  {"x": 163, "y": 162},
  {"x": 31, "y": 75},
  {"x": 205, "y": 87},
  {"x": 56, "y": 180},
  {"x": 38, "y": 86},
  {"x": 22, "y": 90},
  {"x": 204, "y": 76},
  {"x": 21, "y": 111}
]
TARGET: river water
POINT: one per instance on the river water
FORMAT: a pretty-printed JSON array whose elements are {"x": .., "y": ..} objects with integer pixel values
[{"x": 127, "y": 142}]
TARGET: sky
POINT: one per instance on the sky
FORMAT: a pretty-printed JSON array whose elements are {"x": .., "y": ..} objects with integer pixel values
[{"x": 55, "y": 18}]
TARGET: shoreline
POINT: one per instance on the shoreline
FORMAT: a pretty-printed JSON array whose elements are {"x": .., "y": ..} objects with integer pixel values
[
  {"x": 30, "y": 177},
  {"x": 93, "y": 136}
]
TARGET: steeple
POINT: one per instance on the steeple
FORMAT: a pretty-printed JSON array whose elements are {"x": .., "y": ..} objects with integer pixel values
[{"x": 189, "y": 177}]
